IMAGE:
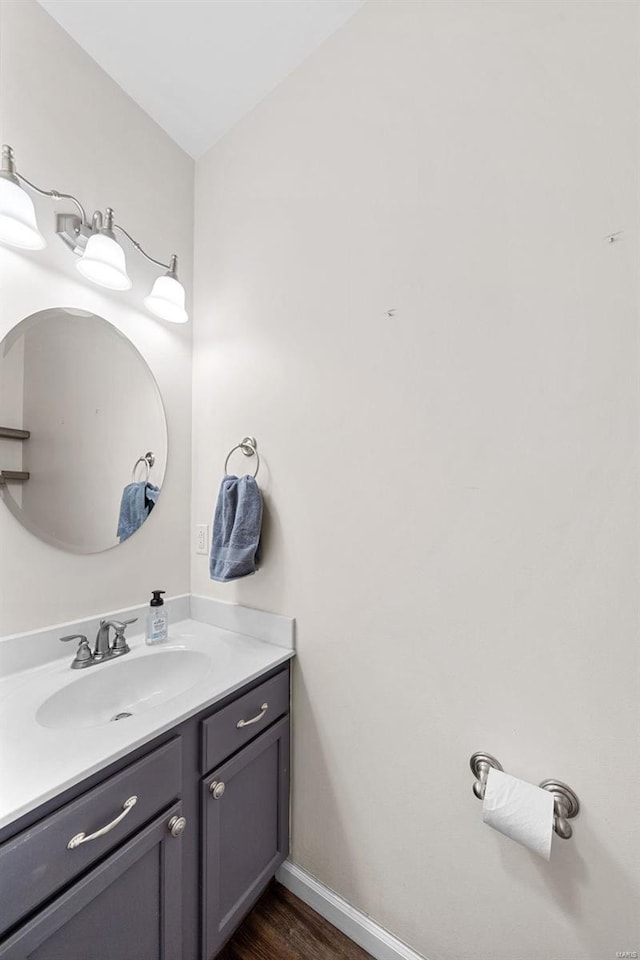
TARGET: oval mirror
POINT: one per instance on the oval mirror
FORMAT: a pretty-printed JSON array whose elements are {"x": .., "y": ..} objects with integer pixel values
[{"x": 83, "y": 434}]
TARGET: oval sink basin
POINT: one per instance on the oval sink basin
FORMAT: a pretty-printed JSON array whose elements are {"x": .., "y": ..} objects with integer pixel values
[{"x": 123, "y": 688}]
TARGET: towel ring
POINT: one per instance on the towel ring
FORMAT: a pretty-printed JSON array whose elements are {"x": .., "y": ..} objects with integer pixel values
[
  {"x": 249, "y": 447},
  {"x": 149, "y": 459}
]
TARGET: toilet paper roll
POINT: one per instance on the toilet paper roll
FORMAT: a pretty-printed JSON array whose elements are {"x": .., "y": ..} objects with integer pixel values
[{"x": 520, "y": 811}]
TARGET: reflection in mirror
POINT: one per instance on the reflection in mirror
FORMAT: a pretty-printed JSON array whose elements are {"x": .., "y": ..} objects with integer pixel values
[{"x": 97, "y": 446}]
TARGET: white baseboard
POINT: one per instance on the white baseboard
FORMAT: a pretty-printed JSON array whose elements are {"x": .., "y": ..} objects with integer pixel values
[{"x": 360, "y": 928}]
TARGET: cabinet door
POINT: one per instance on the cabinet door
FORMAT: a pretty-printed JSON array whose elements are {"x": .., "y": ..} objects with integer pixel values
[
  {"x": 246, "y": 831},
  {"x": 129, "y": 907}
]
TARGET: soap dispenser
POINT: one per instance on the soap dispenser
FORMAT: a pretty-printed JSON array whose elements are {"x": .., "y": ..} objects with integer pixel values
[{"x": 157, "y": 619}]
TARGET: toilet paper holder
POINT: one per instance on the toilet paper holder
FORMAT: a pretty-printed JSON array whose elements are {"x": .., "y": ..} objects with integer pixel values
[{"x": 566, "y": 805}]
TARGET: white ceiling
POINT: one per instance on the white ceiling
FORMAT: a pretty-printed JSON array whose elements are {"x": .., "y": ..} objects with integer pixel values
[{"x": 198, "y": 66}]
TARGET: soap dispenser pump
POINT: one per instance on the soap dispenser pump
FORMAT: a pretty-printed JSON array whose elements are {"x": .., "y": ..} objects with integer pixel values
[{"x": 157, "y": 619}]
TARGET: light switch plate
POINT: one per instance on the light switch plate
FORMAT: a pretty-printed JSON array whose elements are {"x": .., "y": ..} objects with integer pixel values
[{"x": 202, "y": 538}]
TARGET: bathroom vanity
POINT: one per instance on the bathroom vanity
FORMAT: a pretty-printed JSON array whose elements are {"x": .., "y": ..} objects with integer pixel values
[{"x": 160, "y": 853}]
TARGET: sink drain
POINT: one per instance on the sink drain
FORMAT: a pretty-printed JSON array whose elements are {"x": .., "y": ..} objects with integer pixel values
[{"x": 121, "y": 716}]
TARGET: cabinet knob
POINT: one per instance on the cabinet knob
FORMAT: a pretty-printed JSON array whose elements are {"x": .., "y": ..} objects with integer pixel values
[
  {"x": 216, "y": 789},
  {"x": 176, "y": 826}
]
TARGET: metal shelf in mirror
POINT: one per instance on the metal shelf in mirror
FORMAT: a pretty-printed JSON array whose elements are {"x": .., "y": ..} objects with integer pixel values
[{"x": 89, "y": 412}]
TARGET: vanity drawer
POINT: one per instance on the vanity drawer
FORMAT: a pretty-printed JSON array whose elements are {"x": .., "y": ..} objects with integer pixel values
[
  {"x": 36, "y": 863},
  {"x": 241, "y": 721}
]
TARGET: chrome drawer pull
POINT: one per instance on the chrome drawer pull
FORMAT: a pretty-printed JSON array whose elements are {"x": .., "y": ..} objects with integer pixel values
[
  {"x": 247, "y": 723},
  {"x": 83, "y": 838}
]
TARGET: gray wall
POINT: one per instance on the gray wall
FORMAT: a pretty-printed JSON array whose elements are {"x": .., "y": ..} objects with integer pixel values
[
  {"x": 74, "y": 129},
  {"x": 451, "y": 492}
]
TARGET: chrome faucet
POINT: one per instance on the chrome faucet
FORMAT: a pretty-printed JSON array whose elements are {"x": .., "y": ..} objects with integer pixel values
[{"x": 103, "y": 650}]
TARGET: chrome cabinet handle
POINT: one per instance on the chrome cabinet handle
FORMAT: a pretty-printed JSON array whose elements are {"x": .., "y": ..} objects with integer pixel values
[
  {"x": 83, "y": 838},
  {"x": 176, "y": 826},
  {"x": 247, "y": 723},
  {"x": 216, "y": 789}
]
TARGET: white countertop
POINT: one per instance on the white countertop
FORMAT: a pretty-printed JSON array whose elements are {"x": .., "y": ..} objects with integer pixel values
[{"x": 38, "y": 762}]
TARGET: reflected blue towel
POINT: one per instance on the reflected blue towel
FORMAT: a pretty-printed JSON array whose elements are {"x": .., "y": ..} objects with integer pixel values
[
  {"x": 151, "y": 495},
  {"x": 236, "y": 529},
  {"x": 134, "y": 508}
]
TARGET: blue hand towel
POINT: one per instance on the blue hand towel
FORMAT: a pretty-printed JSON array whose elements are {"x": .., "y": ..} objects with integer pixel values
[
  {"x": 236, "y": 529},
  {"x": 134, "y": 508}
]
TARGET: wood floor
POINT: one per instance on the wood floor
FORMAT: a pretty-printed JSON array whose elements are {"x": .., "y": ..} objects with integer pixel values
[{"x": 282, "y": 927}]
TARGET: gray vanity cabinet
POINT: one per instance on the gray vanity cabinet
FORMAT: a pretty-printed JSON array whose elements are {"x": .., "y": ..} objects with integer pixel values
[
  {"x": 99, "y": 874},
  {"x": 129, "y": 907},
  {"x": 245, "y": 804}
]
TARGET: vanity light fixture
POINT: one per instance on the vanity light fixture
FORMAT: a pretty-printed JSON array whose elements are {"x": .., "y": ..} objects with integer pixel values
[{"x": 102, "y": 259}]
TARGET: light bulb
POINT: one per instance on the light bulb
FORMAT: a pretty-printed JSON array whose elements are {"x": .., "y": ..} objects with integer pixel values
[
  {"x": 167, "y": 299},
  {"x": 103, "y": 262},
  {"x": 18, "y": 226}
]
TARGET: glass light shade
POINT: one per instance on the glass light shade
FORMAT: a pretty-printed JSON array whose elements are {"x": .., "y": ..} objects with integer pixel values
[
  {"x": 18, "y": 226},
  {"x": 103, "y": 262},
  {"x": 166, "y": 300}
]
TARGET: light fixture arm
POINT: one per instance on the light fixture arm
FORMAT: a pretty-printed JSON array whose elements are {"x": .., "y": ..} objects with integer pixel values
[
  {"x": 55, "y": 195},
  {"x": 9, "y": 171},
  {"x": 171, "y": 267}
]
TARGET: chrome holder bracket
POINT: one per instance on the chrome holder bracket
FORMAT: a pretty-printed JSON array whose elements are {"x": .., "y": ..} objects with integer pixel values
[
  {"x": 480, "y": 764},
  {"x": 248, "y": 446},
  {"x": 73, "y": 232},
  {"x": 566, "y": 806}
]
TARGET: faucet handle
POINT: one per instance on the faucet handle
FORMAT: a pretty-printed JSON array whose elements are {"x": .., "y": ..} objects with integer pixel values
[
  {"x": 83, "y": 657},
  {"x": 120, "y": 625},
  {"x": 120, "y": 645}
]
